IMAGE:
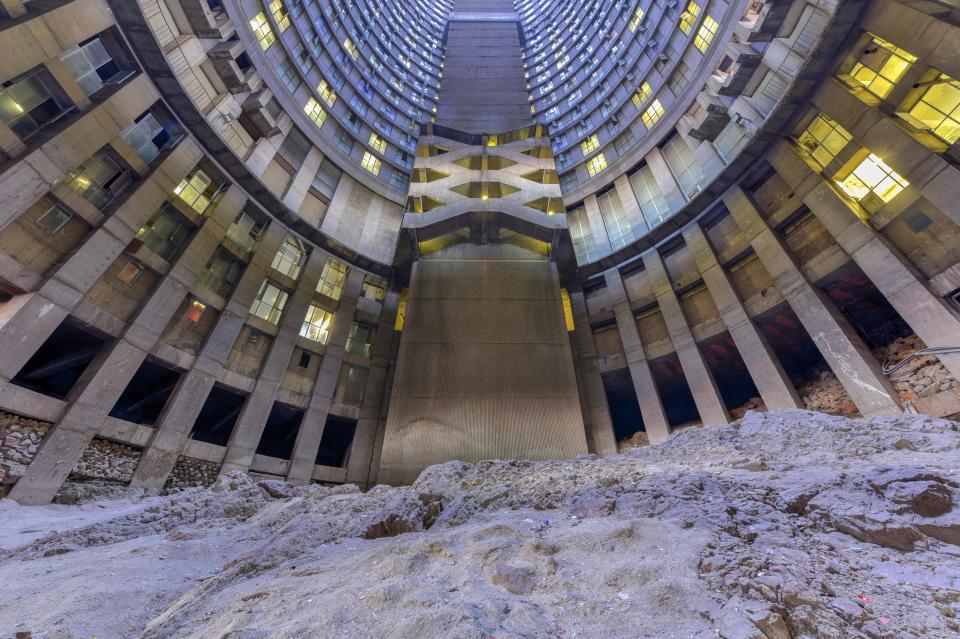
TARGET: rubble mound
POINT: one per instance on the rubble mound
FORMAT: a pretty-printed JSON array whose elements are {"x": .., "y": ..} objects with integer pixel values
[{"x": 782, "y": 525}]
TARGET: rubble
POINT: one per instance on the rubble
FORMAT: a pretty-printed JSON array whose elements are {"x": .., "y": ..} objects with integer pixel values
[
  {"x": 782, "y": 525},
  {"x": 190, "y": 472},
  {"x": 921, "y": 377},
  {"x": 20, "y": 438},
  {"x": 636, "y": 440},
  {"x": 106, "y": 460}
]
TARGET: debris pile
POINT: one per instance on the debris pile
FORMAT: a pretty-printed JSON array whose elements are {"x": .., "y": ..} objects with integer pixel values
[
  {"x": 923, "y": 376},
  {"x": 20, "y": 438}
]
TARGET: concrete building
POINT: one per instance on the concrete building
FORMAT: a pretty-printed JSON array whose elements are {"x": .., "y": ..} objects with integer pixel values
[{"x": 343, "y": 241}]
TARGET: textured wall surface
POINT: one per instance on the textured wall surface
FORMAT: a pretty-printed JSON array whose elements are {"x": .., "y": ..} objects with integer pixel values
[{"x": 485, "y": 369}]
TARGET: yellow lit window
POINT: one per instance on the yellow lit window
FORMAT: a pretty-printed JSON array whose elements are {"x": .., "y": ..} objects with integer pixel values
[
  {"x": 280, "y": 15},
  {"x": 370, "y": 163},
  {"x": 315, "y": 112},
  {"x": 331, "y": 279},
  {"x": 642, "y": 95},
  {"x": 705, "y": 35},
  {"x": 567, "y": 309},
  {"x": 938, "y": 108},
  {"x": 590, "y": 145},
  {"x": 652, "y": 114},
  {"x": 401, "y": 311},
  {"x": 326, "y": 93},
  {"x": 873, "y": 176},
  {"x": 823, "y": 140},
  {"x": 596, "y": 164},
  {"x": 351, "y": 48},
  {"x": 880, "y": 67},
  {"x": 196, "y": 190},
  {"x": 377, "y": 143},
  {"x": 635, "y": 20},
  {"x": 492, "y": 140},
  {"x": 689, "y": 17},
  {"x": 263, "y": 32},
  {"x": 316, "y": 325}
]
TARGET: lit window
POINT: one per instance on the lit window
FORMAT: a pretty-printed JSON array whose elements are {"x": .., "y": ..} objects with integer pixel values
[
  {"x": 315, "y": 112},
  {"x": 54, "y": 218},
  {"x": 351, "y": 48},
  {"x": 652, "y": 114},
  {"x": 567, "y": 308},
  {"x": 590, "y": 145},
  {"x": 262, "y": 31},
  {"x": 269, "y": 303},
  {"x": 635, "y": 20},
  {"x": 326, "y": 93},
  {"x": 937, "y": 109},
  {"x": 705, "y": 35},
  {"x": 823, "y": 140},
  {"x": 196, "y": 190},
  {"x": 642, "y": 95},
  {"x": 316, "y": 325},
  {"x": 289, "y": 258},
  {"x": 29, "y": 105},
  {"x": 91, "y": 65},
  {"x": 492, "y": 140},
  {"x": 689, "y": 17},
  {"x": 377, "y": 143},
  {"x": 195, "y": 311},
  {"x": 880, "y": 67},
  {"x": 873, "y": 176},
  {"x": 130, "y": 273},
  {"x": 370, "y": 163},
  {"x": 373, "y": 289},
  {"x": 280, "y": 15},
  {"x": 331, "y": 279},
  {"x": 596, "y": 164}
]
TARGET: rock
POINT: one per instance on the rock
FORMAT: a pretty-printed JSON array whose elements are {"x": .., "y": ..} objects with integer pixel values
[{"x": 926, "y": 498}]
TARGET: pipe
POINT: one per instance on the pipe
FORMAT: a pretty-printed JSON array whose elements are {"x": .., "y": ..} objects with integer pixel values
[{"x": 938, "y": 350}]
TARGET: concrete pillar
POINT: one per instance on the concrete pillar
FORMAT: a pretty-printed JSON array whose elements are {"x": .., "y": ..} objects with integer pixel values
[
  {"x": 927, "y": 314},
  {"x": 597, "y": 225},
  {"x": 630, "y": 204},
  {"x": 181, "y": 412},
  {"x": 841, "y": 347},
  {"x": 297, "y": 191},
  {"x": 596, "y": 410},
  {"x": 253, "y": 418},
  {"x": 361, "y": 452},
  {"x": 768, "y": 375},
  {"x": 651, "y": 407},
  {"x": 704, "y": 388},
  {"x": 108, "y": 375},
  {"x": 311, "y": 429}
]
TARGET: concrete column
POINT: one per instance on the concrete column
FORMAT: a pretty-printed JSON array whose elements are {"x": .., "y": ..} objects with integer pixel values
[
  {"x": 311, "y": 429},
  {"x": 597, "y": 225},
  {"x": 665, "y": 180},
  {"x": 927, "y": 314},
  {"x": 297, "y": 191},
  {"x": 361, "y": 452},
  {"x": 253, "y": 418},
  {"x": 651, "y": 407},
  {"x": 768, "y": 375},
  {"x": 630, "y": 204},
  {"x": 704, "y": 388},
  {"x": 12, "y": 8},
  {"x": 841, "y": 347},
  {"x": 106, "y": 378},
  {"x": 596, "y": 410},
  {"x": 181, "y": 412}
]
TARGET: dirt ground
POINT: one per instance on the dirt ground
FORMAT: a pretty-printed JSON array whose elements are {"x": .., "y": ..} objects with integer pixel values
[{"x": 786, "y": 524}]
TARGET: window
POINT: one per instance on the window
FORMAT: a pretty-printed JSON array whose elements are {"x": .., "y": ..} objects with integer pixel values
[
  {"x": 29, "y": 104},
  {"x": 91, "y": 65},
  {"x": 360, "y": 340},
  {"x": 351, "y": 48},
  {"x": 642, "y": 95},
  {"x": 635, "y": 20},
  {"x": 147, "y": 137},
  {"x": 54, "y": 218},
  {"x": 316, "y": 325},
  {"x": 269, "y": 303},
  {"x": 685, "y": 168},
  {"x": 280, "y": 16},
  {"x": 245, "y": 231},
  {"x": 705, "y": 35},
  {"x": 221, "y": 273},
  {"x": 304, "y": 361},
  {"x": 590, "y": 145},
  {"x": 680, "y": 77},
  {"x": 326, "y": 93},
  {"x": 653, "y": 204},
  {"x": 331, "y": 279},
  {"x": 689, "y": 17},
  {"x": 197, "y": 190},
  {"x": 873, "y": 177},
  {"x": 880, "y": 67},
  {"x": 937, "y": 108},
  {"x": 377, "y": 143},
  {"x": 373, "y": 289},
  {"x": 823, "y": 140},
  {"x": 370, "y": 163},
  {"x": 289, "y": 259},
  {"x": 581, "y": 235},
  {"x": 165, "y": 233},
  {"x": 652, "y": 114},
  {"x": 262, "y": 31},
  {"x": 315, "y": 112},
  {"x": 130, "y": 273},
  {"x": 99, "y": 180},
  {"x": 596, "y": 164},
  {"x": 614, "y": 219},
  {"x": 289, "y": 75}
]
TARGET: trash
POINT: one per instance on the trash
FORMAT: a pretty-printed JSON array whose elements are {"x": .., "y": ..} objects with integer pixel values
[
  {"x": 624, "y": 596},
  {"x": 864, "y": 598},
  {"x": 544, "y": 524},
  {"x": 884, "y": 620}
]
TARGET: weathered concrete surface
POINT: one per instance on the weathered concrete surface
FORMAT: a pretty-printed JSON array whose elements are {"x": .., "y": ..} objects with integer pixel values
[{"x": 786, "y": 525}]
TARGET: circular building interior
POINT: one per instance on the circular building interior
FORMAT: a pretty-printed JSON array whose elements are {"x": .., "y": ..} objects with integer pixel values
[{"x": 311, "y": 244}]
